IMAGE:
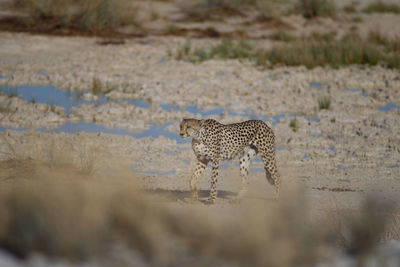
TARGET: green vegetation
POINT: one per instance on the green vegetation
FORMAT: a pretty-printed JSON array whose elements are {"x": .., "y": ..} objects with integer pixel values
[
  {"x": 171, "y": 28},
  {"x": 390, "y": 45},
  {"x": 215, "y": 9},
  {"x": 293, "y": 125},
  {"x": 315, "y": 50},
  {"x": 228, "y": 3},
  {"x": 381, "y": 7},
  {"x": 282, "y": 35},
  {"x": 78, "y": 95},
  {"x": 324, "y": 102},
  {"x": 227, "y": 49},
  {"x": 356, "y": 19},
  {"x": 347, "y": 51},
  {"x": 316, "y": 8},
  {"x": 92, "y": 15},
  {"x": 351, "y": 7},
  {"x": 97, "y": 86}
]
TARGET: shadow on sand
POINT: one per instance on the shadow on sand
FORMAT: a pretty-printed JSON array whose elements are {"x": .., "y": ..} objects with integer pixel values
[{"x": 184, "y": 195}]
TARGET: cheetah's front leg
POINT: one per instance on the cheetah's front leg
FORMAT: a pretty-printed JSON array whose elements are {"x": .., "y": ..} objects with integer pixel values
[
  {"x": 214, "y": 180},
  {"x": 198, "y": 171}
]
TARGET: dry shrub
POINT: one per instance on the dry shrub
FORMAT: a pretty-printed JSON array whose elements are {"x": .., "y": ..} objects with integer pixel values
[
  {"x": 316, "y": 8},
  {"x": 63, "y": 212},
  {"x": 90, "y": 15}
]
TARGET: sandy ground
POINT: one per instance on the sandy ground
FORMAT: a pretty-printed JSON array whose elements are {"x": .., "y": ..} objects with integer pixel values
[{"x": 341, "y": 154}]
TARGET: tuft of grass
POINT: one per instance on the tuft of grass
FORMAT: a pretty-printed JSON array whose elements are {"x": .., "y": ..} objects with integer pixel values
[
  {"x": 226, "y": 49},
  {"x": 316, "y": 8},
  {"x": 381, "y": 7},
  {"x": 281, "y": 35},
  {"x": 293, "y": 125},
  {"x": 351, "y": 7},
  {"x": 97, "y": 86},
  {"x": 53, "y": 108},
  {"x": 324, "y": 102},
  {"x": 171, "y": 28},
  {"x": 216, "y": 9},
  {"x": 78, "y": 95},
  {"x": 184, "y": 51},
  {"x": 356, "y": 19},
  {"x": 390, "y": 45}
]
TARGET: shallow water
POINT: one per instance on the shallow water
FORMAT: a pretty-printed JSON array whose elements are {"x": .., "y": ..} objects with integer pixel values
[
  {"x": 53, "y": 96},
  {"x": 388, "y": 107},
  {"x": 64, "y": 98},
  {"x": 68, "y": 99},
  {"x": 90, "y": 127},
  {"x": 354, "y": 90},
  {"x": 315, "y": 84}
]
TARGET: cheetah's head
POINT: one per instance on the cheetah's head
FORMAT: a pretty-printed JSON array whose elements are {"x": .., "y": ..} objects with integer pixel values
[{"x": 190, "y": 128}]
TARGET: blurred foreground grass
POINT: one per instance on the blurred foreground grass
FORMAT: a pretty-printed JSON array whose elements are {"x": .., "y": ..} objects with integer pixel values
[{"x": 64, "y": 210}]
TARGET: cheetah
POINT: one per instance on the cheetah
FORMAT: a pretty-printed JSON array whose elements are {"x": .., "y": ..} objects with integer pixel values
[{"x": 214, "y": 142}]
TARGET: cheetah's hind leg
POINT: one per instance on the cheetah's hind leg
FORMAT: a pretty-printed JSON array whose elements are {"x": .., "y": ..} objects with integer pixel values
[
  {"x": 271, "y": 172},
  {"x": 244, "y": 163}
]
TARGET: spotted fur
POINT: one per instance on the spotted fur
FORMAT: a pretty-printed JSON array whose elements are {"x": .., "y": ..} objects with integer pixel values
[{"x": 214, "y": 142}]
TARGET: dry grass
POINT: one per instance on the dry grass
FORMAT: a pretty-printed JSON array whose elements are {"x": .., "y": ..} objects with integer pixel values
[
  {"x": 316, "y": 8},
  {"x": 313, "y": 51},
  {"x": 91, "y": 16},
  {"x": 381, "y": 7},
  {"x": 62, "y": 212},
  {"x": 56, "y": 208}
]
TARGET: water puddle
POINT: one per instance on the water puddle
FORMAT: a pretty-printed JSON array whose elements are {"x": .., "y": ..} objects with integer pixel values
[
  {"x": 67, "y": 99},
  {"x": 52, "y": 96},
  {"x": 153, "y": 131},
  {"x": 152, "y": 172},
  {"x": 354, "y": 90},
  {"x": 315, "y": 84},
  {"x": 64, "y": 98},
  {"x": 343, "y": 168},
  {"x": 388, "y": 107}
]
